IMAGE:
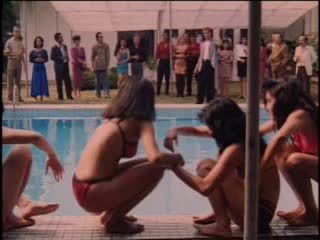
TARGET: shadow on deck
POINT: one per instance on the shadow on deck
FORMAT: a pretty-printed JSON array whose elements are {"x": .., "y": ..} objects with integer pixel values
[{"x": 156, "y": 227}]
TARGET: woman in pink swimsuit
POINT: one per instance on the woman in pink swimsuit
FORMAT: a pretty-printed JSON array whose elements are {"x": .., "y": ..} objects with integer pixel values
[{"x": 295, "y": 117}]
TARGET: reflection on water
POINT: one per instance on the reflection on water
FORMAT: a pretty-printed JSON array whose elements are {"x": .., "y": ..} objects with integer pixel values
[{"x": 69, "y": 136}]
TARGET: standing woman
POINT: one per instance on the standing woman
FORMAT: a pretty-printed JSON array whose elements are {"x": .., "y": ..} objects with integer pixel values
[
  {"x": 241, "y": 56},
  {"x": 78, "y": 65},
  {"x": 193, "y": 56},
  {"x": 122, "y": 54},
  {"x": 180, "y": 64},
  {"x": 225, "y": 59},
  {"x": 39, "y": 56}
]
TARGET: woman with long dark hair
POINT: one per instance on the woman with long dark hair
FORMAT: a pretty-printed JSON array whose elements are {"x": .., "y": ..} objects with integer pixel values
[
  {"x": 294, "y": 147},
  {"x": 102, "y": 184},
  {"x": 222, "y": 181},
  {"x": 39, "y": 83},
  {"x": 122, "y": 54}
]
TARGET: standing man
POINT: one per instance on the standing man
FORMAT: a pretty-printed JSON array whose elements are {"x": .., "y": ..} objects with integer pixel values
[
  {"x": 304, "y": 56},
  {"x": 100, "y": 59},
  {"x": 15, "y": 51},
  {"x": 138, "y": 57},
  {"x": 163, "y": 62},
  {"x": 59, "y": 54},
  {"x": 206, "y": 66},
  {"x": 279, "y": 57}
]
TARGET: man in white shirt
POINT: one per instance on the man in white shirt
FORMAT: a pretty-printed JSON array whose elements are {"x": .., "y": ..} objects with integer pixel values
[
  {"x": 304, "y": 56},
  {"x": 206, "y": 66}
]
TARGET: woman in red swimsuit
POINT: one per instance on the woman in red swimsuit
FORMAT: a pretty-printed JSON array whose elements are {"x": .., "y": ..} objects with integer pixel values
[
  {"x": 103, "y": 185},
  {"x": 295, "y": 116}
]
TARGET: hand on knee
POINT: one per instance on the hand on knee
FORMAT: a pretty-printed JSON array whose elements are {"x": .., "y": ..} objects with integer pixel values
[{"x": 293, "y": 161}]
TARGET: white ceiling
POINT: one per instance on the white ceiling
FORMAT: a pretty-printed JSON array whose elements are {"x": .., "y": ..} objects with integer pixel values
[{"x": 143, "y": 15}]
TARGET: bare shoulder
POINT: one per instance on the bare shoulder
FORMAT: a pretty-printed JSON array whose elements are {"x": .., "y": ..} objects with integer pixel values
[{"x": 299, "y": 115}]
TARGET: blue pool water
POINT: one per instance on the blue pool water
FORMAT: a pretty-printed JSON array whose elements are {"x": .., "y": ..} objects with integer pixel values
[{"x": 68, "y": 131}]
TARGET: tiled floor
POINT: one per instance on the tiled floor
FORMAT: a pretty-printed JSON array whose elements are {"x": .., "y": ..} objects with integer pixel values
[{"x": 162, "y": 227}]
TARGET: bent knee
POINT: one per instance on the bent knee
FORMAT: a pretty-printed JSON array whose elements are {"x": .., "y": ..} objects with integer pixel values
[
  {"x": 294, "y": 161},
  {"x": 204, "y": 167},
  {"x": 21, "y": 153},
  {"x": 157, "y": 171}
]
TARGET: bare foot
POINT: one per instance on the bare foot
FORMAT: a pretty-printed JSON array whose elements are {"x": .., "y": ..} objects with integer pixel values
[
  {"x": 207, "y": 219},
  {"x": 105, "y": 217},
  {"x": 35, "y": 208},
  {"x": 123, "y": 226},
  {"x": 14, "y": 222},
  {"x": 214, "y": 230},
  {"x": 290, "y": 215},
  {"x": 303, "y": 219}
]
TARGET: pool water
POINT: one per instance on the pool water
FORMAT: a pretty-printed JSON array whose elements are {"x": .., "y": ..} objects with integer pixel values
[{"x": 68, "y": 132}]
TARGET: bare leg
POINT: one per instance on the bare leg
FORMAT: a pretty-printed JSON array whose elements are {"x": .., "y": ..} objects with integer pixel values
[
  {"x": 301, "y": 168},
  {"x": 227, "y": 202},
  {"x": 127, "y": 189},
  {"x": 280, "y": 160},
  {"x": 15, "y": 175}
]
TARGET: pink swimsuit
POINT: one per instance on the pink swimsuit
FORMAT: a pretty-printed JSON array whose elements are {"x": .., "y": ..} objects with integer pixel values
[{"x": 306, "y": 145}]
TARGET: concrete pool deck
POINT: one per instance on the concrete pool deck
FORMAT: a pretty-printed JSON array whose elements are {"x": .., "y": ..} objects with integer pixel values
[
  {"x": 101, "y": 106},
  {"x": 156, "y": 227}
]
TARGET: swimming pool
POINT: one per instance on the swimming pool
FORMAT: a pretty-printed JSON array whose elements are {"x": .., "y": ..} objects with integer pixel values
[{"x": 68, "y": 132}]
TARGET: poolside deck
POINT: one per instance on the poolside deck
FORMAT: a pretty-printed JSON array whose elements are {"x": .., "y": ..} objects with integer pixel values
[{"x": 156, "y": 227}]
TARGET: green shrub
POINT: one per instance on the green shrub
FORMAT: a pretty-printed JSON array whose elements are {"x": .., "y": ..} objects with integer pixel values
[
  {"x": 151, "y": 63},
  {"x": 89, "y": 81}
]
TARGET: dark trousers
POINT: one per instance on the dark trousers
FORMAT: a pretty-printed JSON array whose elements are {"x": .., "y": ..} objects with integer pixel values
[
  {"x": 304, "y": 79},
  {"x": 191, "y": 63},
  {"x": 180, "y": 83},
  {"x": 62, "y": 74},
  {"x": 137, "y": 70},
  {"x": 206, "y": 82},
  {"x": 163, "y": 69}
]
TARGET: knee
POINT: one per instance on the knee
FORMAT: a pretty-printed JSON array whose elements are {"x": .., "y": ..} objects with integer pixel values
[
  {"x": 157, "y": 172},
  {"x": 293, "y": 161},
  {"x": 22, "y": 153},
  {"x": 204, "y": 167}
]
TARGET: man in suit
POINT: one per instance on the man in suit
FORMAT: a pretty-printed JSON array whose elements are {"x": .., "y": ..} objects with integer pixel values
[
  {"x": 206, "y": 66},
  {"x": 59, "y": 54}
]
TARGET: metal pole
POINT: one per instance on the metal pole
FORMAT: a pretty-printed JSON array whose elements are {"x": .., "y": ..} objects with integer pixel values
[
  {"x": 252, "y": 123},
  {"x": 26, "y": 45},
  {"x": 170, "y": 36}
]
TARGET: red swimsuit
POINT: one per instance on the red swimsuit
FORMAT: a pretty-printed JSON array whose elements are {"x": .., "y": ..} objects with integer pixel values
[{"x": 80, "y": 188}]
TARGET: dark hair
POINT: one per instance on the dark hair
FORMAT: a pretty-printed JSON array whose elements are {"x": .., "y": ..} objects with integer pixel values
[
  {"x": 57, "y": 35},
  {"x": 76, "y": 38},
  {"x": 97, "y": 35},
  {"x": 226, "y": 41},
  {"x": 135, "y": 100},
  {"x": 289, "y": 97},
  {"x": 118, "y": 46},
  {"x": 35, "y": 41},
  {"x": 227, "y": 122}
]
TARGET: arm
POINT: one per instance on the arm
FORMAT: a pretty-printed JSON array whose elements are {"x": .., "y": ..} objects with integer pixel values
[
  {"x": 93, "y": 56},
  {"x": 295, "y": 57},
  {"x": 291, "y": 125},
  {"x": 17, "y": 136},
  {"x": 32, "y": 58},
  {"x": 172, "y": 135},
  {"x": 227, "y": 162},
  {"x": 285, "y": 55},
  {"x": 152, "y": 151},
  {"x": 73, "y": 55},
  {"x": 107, "y": 56},
  {"x": 45, "y": 56},
  {"x": 267, "y": 127}
]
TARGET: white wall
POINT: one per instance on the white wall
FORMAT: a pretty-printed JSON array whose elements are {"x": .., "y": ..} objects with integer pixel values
[{"x": 42, "y": 20}]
